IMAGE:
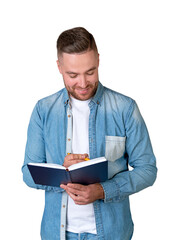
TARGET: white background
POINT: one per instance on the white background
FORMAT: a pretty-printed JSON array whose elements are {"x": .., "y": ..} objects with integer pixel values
[{"x": 138, "y": 45}]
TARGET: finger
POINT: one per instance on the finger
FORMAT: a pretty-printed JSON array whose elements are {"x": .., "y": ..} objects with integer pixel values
[
  {"x": 75, "y": 192},
  {"x": 75, "y": 161},
  {"x": 80, "y": 203},
  {"x": 71, "y": 159},
  {"x": 71, "y": 162},
  {"x": 77, "y": 198},
  {"x": 76, "y": 186},
  {"x": 72, "y": 190},
  {"x": 76, "y": 156},
  {"x": 63, "y": 186}
]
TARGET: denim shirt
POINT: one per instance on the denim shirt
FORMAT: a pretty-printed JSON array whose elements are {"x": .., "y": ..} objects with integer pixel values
[{"x": 116, "y": 131}]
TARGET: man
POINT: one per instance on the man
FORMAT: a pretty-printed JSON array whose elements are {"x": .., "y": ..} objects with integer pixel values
[{"x": 83, "y": 120}]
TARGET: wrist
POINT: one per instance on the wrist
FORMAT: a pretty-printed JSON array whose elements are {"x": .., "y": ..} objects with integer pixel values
[{"x": 100, "y": 191}]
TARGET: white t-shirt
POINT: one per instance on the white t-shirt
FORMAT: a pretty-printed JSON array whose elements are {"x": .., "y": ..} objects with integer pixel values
[{"x": 80, "y": 218}]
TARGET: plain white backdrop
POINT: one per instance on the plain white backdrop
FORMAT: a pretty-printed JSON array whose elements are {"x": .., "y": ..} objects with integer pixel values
[{"x": 138, "y": 46}]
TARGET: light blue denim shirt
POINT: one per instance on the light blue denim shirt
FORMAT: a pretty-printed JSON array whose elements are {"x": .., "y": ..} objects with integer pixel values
[{"x": 117, "y": 131}]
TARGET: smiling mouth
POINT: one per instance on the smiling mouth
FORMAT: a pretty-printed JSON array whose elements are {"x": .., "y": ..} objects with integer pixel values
[{"x": 83, "y": 91}]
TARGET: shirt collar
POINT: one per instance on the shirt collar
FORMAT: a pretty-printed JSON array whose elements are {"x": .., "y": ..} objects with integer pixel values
[
  {"x": 98, "y": 95},
  {"x": 66, "y": 97}
]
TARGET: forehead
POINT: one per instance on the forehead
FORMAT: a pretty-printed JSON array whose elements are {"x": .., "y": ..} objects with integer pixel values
[{"x": 81, "y": 61}]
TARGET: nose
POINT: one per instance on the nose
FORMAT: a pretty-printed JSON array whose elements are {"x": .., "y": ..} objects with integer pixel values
[{"x": 83, "y": 81}]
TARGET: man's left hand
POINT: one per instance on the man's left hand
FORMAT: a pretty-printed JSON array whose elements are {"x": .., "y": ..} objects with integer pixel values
[{"x": 82, "y": 194}]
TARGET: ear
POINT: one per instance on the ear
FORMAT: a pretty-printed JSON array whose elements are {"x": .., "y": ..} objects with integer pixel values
[{"x": 59, "y": 66}]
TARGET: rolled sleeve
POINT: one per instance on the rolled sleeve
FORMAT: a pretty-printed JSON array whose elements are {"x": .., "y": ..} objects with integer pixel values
[{"x": 111, "y": 191}]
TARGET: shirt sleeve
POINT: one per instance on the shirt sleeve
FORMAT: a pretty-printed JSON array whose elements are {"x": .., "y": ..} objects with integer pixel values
[
  {"x": 140, "y": 157},
  {"x": 35, "y": 149}
]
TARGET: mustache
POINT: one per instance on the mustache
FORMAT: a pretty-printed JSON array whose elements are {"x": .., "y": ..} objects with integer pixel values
[{"x": 80, "y": 88}]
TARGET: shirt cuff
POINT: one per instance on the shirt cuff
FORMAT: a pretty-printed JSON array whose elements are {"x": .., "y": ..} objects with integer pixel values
[{"x": 111, "y": 191}]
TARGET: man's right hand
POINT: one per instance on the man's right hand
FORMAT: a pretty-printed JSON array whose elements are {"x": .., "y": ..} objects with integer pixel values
[{"x": 71, "y": 159}]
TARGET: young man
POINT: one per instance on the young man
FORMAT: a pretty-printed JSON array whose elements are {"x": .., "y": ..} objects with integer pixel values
[{"x": 86, "y": 119}]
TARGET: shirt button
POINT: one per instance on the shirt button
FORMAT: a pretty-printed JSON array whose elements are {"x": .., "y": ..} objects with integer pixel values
[
  {"x": 69, "y": 116},
  {"x": 68, "y": 139},
  {"x": 62, "y": 225},
  {"x": 64, "y": 206}
]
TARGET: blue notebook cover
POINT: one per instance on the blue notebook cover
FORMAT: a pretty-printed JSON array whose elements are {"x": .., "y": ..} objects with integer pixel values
[{"x": 87, "y": 172}]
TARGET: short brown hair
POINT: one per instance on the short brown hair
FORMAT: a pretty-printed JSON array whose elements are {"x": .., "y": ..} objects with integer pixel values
[{"x": 75, "y": 40}]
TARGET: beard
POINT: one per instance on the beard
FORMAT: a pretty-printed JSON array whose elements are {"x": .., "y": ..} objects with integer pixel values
[{"x": 82, "y": 93}]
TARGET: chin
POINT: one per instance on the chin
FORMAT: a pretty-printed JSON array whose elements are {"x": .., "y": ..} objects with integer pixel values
[{"x": 82, "y": 98}]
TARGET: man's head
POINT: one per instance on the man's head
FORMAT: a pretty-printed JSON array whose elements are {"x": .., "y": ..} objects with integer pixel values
[
  {"x": 75, "y": 40},
  {"x": 78, "y": 62}
]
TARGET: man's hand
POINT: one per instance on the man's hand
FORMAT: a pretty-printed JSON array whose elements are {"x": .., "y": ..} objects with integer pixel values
[
  {"x": 82, "y": 194},
  {"x": 71, "y": 159}
]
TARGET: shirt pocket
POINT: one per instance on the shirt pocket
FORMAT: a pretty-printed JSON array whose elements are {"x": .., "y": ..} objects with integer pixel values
[{"x": 114, "y": 147}]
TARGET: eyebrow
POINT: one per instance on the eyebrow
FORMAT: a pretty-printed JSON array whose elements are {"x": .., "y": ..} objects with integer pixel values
[{"x": 91, "y": 69}]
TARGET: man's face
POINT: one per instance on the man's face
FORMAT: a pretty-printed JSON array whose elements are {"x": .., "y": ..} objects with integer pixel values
[{"x": 80, "y": 73}]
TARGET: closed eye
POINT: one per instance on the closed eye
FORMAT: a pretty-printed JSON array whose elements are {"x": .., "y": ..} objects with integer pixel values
[
  {"x": 90, "y": 73},
  {"x": 73, "y": 75}
]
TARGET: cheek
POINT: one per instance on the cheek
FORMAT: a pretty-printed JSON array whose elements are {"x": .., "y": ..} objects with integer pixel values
[
  {"x": 68, "y": 81},
  {"x": 94, "y": 78}
]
